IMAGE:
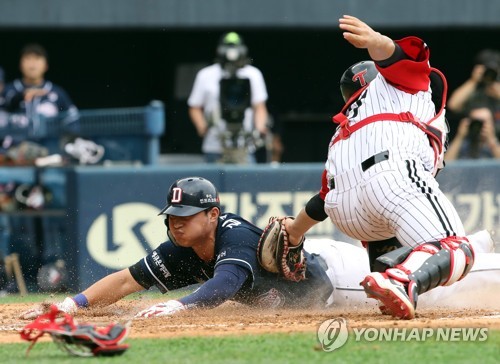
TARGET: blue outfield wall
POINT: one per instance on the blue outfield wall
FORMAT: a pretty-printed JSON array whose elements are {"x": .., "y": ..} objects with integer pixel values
[{"x": 113, "y": 218}]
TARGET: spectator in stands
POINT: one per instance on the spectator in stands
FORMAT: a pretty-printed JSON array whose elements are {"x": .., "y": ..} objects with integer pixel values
[
  {"x": 33, "y": 95},
  {"x": 475, "y": 137},
  {"x": 482, "y": 87},
  {"x": 227, "y": 104}
]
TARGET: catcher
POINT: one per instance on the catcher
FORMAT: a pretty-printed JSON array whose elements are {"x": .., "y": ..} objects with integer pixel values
[
  {"x": 215, "y": 248},
  {"x": 379, "y": 184}
]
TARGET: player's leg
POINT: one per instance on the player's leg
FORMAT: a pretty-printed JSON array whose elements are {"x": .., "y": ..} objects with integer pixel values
[
  {"x": 347, "y": 264},
  {"x": 436, "y": 251},
  {"x": 481, "y": 242}
]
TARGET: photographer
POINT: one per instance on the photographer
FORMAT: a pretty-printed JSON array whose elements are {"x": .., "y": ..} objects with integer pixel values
[
  {"x": 227, "y": 104},
  {"x": 483, "y": 86},
  {"x": 475, "y": 137}
]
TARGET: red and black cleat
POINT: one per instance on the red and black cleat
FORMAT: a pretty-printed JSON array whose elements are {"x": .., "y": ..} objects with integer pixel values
[{"x": 392, "y": 295}]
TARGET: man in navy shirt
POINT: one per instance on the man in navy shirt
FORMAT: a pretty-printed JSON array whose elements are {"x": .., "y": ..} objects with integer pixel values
[
  {"x": 34, "y": 96},
  {"x": 218, "y": 250}
]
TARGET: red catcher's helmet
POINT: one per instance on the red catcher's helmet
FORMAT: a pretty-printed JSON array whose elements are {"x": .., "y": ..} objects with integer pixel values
[{"x": 356, "y": 77}]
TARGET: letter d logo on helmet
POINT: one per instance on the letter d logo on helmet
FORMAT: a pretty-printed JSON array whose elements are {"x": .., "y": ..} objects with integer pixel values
[{"x": 190, "y": 195}]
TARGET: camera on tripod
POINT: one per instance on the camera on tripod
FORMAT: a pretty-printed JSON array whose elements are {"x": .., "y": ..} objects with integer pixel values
[
  {"x": 235, "y": 99},
  {"x": 235, "y": 96}
]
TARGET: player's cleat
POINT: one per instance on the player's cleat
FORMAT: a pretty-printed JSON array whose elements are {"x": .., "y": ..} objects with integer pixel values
[
  {"x": 383, "y": 309},
  {"x": 393, "y": 295}
]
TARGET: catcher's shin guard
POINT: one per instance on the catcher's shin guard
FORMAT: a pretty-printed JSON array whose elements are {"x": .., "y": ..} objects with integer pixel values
[
  {"x": 419, "y": 270},
  {"x": 431, "y": 264},
  {"x": 445, "y": 267}
]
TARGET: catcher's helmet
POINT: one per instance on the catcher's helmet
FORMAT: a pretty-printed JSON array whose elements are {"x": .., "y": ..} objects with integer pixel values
[
  {"x": 231, "y": 48},
  {"x": 356, "y": 77},
  {"x": 190, "y": 195}
]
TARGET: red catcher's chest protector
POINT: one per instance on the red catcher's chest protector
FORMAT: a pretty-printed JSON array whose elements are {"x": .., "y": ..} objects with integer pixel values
[{"x": 436, "y": 128}]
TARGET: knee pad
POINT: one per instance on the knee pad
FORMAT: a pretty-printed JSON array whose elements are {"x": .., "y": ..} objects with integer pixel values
[{"x": 461, "y": 258}]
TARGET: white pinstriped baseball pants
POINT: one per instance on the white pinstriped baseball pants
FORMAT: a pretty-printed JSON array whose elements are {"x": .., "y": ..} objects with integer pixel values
[{"x": 392, "y": 198}]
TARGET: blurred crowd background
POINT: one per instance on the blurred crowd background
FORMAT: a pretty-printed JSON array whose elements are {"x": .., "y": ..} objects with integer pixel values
[{"x": 127, "y": 53}]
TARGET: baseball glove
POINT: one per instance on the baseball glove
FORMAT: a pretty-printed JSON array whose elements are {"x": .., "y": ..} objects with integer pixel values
[
  {"x": 275, "y": 254},
  {"x": 77, "y": 339}
]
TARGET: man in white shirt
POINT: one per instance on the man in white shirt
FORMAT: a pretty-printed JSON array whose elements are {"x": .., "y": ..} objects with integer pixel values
[{"x": 227, "y": 104}]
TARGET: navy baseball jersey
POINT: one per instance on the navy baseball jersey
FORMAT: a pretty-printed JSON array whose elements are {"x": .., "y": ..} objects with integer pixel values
[
  {"x": 55, "y": 101},
  {"x": 171, "y": 267}
]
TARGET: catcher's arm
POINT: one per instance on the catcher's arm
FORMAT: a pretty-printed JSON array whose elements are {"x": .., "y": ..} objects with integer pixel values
[
  {"x": 360, "y": 35},
  {"x": 312, "y": 214},
  {"x": 296, "y": 228}
]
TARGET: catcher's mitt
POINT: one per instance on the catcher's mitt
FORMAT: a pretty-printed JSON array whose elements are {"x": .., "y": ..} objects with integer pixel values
[
  {"x": 276, "y": 255},
  {"x": 77, "y": 339}
]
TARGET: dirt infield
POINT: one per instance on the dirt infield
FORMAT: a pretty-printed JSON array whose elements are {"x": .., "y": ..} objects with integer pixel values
[{"x": 234, "y": 319}]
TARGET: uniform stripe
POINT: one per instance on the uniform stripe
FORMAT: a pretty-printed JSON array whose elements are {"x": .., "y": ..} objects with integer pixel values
[{"x": 435, "y": 204}]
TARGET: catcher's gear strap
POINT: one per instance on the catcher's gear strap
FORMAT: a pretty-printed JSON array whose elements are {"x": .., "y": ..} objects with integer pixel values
[
  {"x": 436, "y": 128},
  {"x": 315, "y": 208},
  {"x": 77, "y": 339},
  {"x": 384, "y": 254}
]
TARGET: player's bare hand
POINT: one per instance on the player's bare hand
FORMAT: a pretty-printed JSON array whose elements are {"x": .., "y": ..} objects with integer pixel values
[
  {"x": 360, "y": 35},
  {"x": 68, "y": 306},
  {"x": 356, "y": 32},
  {"x": 293, "y": 237}
]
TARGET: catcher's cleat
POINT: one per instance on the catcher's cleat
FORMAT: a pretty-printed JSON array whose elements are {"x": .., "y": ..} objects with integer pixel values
[
  {"x": 383, "y": 309},
  {"x": 393, "y": 295}
]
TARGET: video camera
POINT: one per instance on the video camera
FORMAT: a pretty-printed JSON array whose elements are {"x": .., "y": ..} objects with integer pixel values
[{"x": 235, "y": 99}]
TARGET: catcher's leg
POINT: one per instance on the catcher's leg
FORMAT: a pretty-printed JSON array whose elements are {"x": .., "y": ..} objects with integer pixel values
[{"x": 406, "y": 273}]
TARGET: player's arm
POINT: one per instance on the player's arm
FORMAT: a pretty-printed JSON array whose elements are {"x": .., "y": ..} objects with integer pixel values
[
  {"x": 111, "y": 289},
  {"x": 104, "y": 292},
  {"x": 312, "y": 214},
  {"x": 360, "y": 35},
  {"x": 226, "y": 282}
]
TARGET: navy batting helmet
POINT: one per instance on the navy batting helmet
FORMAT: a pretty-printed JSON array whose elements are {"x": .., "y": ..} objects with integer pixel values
[
  {"x": 356, "y": 77},
  {"x": 190, "y": 195}
]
